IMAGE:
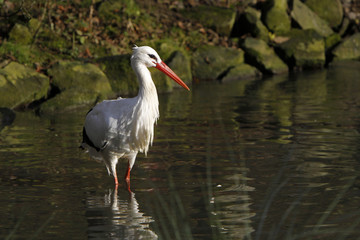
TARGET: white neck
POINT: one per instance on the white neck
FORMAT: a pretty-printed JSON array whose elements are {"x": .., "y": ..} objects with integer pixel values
[
  {"x": 147, "y": 108},
  {"x": 146, "y": 85}
]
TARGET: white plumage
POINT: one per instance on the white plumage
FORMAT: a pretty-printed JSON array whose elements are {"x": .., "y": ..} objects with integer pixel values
[{"x": 123, "y": 127}]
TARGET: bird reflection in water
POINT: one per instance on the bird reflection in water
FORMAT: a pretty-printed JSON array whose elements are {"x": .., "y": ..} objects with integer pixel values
[{"x": 117, "y": 217}]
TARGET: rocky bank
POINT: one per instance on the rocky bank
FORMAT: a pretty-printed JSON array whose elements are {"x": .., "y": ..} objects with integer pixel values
[{"x": 49, "y": 71}]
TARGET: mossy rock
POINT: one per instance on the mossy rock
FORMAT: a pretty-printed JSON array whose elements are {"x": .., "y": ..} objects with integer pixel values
[
  {"x": 250, "y": 22},
  {"x": 332, "y": 40},
  {"x": 212, "y": 62},
  {"x": 79, "y": 84},
  {"x": 69, "y": 100},
  {"x": 242, "y": 71},
  {"x": 113, "y": 10},
  {"x": 21, "y": 85},
  {"x": 121, "y": 76},
  {"x": 329, "y": 10},
  {"x": 263, "y": 56},
  {"x": 87, "y": 76},
  {"x": 304, "y": 49},
  {"x": 277, "y": 20},
  {"x": 20, "y": 34},
  {"x": 279, "y": 4},
  {"x": 33, "y": 25},
  {"x": 219, "y": 19},
  {"x": 307, "y": 19},
  {"x": 349, "y": 49}
]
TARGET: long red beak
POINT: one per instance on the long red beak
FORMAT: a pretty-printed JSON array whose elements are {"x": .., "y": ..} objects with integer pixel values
[{"x": 165, "y": 69}]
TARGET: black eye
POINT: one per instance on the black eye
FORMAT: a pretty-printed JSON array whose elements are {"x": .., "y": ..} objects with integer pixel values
[{"x": 152, "y": 56}]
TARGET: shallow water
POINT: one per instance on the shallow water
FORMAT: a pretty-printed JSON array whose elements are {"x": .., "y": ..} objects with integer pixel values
[{"x": 276, "y": 158}]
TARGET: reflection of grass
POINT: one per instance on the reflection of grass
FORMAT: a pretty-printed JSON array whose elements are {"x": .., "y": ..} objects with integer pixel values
[
  {"x": 290, "y": 224},
  {"x": 12, "y": 234},
  {"x": 173, "y": 223},
  {"x": 17, "y": 225},
  {"x": 172, "y": 215}
]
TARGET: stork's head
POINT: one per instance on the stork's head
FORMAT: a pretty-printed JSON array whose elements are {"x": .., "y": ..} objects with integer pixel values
[
  {"x": 147, "y": 55},
  {"x": 150, "y": 58}
]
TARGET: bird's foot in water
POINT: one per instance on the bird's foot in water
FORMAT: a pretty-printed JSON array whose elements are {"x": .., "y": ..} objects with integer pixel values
[{"x": 127, "y": 181}]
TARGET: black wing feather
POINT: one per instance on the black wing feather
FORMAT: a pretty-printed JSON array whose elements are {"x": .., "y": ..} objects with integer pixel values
[{"x": 87, "y": 140}]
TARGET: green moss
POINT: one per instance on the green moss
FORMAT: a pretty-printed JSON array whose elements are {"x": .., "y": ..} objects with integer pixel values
[
  {"x": 348, "y": 49},
  {"x": 217, "y": 18},
  {"x": 209, "y": 62},
  {"x": 21, "y": 85},
  {"x": 264, "y": 56},
  {"x": 278, "y": 20},
  {"x": 54, "y": 41},
  {"x": 33, "y": 25},
  {"x": 70, "y": 99},
  {"x": 25, "y": 54},
  {"x": 113, "y": 10},
  {"x": 331, "y": 40},
  {"x": 68, "y": 75},
  {"x": 79, "y": 83},
  {"x": 242, "y": 71},
  {"x": 279, "y": 4},
  {"x": 20, "y": 34},
  {"x": 329, "y": 10},
  {"x": 307, "y": 19},
  {"x": 254, "y": 25},
  {"x": 20, "y": 52},
  {"x": 305, "y": 47}
]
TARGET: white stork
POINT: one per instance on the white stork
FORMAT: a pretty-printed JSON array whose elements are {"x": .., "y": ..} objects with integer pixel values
[{"x": 123, "y": 127}]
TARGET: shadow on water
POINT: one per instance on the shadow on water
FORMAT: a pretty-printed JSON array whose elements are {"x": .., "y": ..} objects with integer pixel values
[{"x": 255, "y": 159}]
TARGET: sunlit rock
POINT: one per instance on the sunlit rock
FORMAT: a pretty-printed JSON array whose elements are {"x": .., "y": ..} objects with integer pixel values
[
  {"x": 78, "y": 83},
  {"x": 219, "y": 19},
  {"x": 304, "y": 49},
  {"x": 307, "y": 19},
  {"x": 348, "y": 49},
  {"x": 261, "y": 55},
  {"x": 277, "y": 18},
  {"x": 211, "y": 62},
  {"x": 68, "y": 100},
  {"x": 242, "y": 71},
  {"x": 329, "y": 10},
  {"x": 21, "y": 85},
  {"x": 67, "y": 75},
  {"x": 20, "y": 34},
  {"x": 332, "y": 40}
]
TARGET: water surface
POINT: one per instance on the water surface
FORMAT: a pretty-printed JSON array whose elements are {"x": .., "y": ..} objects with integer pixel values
[{"x": 276, "y": 158}]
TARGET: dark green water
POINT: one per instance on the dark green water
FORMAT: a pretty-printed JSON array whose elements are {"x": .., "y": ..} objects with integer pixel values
[{"x": 268, "y": 159}]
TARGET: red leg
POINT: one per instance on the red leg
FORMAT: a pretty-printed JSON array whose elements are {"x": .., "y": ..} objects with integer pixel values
[
  {"x": 127, "y": 178},
  {"x": 116, "y": 179}
]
